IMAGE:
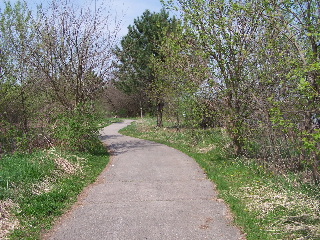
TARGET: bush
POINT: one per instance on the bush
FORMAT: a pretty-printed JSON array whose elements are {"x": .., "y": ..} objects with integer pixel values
[{"x": 76, "y": 130}]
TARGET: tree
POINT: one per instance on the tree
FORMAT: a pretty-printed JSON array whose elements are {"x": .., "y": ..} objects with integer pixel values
[
  {"x": 17, "y": 39},
  {"x": 74, "y": 52},
  {"x": 135, "y": 73},
  {"x": 57, "y": 65},
  {"x": 264, "y": 59},
  {"x": 180, "y": 75},
  {"x": 73, "y": 56},
  {"x": 227, "y": 30},
  {"x": 301, "y": 24}
]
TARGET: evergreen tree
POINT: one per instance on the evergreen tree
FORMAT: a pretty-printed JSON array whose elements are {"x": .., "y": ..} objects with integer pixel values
[{"x": 135, "y": 71}]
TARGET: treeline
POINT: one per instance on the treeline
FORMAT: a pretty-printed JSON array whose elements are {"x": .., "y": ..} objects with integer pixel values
[
  {"x": 55, "y": 64},
  {"x": 251, "y": 67}
]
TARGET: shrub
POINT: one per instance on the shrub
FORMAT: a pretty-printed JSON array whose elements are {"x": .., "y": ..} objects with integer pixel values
[{"x": 76, "y": 130}]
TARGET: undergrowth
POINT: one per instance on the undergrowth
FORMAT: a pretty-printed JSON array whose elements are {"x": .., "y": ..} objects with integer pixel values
[
  {"x": 264, "y": 204},
  {"x": 37, "y": 188}
]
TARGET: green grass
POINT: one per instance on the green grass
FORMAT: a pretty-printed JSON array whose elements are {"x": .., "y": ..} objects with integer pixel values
[
  {"x": 265, "y": 205},
  {"x": 37, "y": 188}
]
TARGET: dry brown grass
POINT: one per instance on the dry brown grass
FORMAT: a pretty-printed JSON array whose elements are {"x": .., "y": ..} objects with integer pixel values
[
  {"x": 65, "y": 165},
  {"x": 207, "y": 149},
  {"x": 44, "y": 186},
  {"x": 303, "y": 211},
  {"x": 8, "y": 222}
]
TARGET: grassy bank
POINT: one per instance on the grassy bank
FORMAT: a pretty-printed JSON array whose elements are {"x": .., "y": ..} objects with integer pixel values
[
  {"x": 265, "y": 205},
  {"x": 37, "y": 188}
]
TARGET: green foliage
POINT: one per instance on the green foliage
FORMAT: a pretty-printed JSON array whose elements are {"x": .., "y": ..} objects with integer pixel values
[
  {"x": 311, "y": 142},
  {"x": 7, "y": 137},
  {"x": 263, "y": 84},
  {"x": 48, "y": 71},
  {"x": 19, "y": 170},
  {"x": 179, "y": 75},
  {"x": 229, "y": 48},
  {"x": 77, "y": 130},
  {"x": 16, "y": 37},
  {"x": 139, "y": 50}
]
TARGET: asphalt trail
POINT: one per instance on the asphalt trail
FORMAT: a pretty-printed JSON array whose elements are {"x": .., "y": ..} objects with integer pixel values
[{"x": 148, "y": 191}]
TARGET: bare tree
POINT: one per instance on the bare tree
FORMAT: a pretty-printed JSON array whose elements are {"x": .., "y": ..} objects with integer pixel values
[
  {"x": 57, "y": 64},
  {"x": 74, "y": 52}
]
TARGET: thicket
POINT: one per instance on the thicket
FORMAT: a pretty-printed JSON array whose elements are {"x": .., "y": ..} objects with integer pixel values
[
  {"x": 251, "y": 67},
  {"x": 55, "y": 63}
]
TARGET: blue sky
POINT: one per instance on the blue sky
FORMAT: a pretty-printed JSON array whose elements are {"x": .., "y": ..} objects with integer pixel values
[
  {"x": 133, "y": 9},
  {"x": 126, "y": 10}
]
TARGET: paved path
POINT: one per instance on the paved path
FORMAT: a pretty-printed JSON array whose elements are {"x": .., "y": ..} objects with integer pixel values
[{"x": 148, "y": 191}]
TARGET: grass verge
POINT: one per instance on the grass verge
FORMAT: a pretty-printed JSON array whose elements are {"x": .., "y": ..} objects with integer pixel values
[
  {"x": 265, "y": 205},
  {"x": 37, "y": 188}
]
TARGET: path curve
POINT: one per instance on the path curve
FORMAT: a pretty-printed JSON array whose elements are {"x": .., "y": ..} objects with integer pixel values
[{"x": 148, "y": 191}]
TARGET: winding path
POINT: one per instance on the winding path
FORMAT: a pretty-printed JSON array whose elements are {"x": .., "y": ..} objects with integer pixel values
[{"x": 148, "y": 191}]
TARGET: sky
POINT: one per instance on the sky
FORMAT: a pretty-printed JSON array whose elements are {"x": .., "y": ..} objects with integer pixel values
[
  {"x": 133, "y": 9},
  {"x": 125, "y": 10}
]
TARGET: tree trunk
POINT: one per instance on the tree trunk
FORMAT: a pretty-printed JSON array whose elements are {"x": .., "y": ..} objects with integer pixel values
[
  {"x": 159, "y": 114},
  {"x": 315, "y": 169},
  {"x": 238, "y": 143},
  {"x": 141, "y": 112},
  {"x": 25, "y": 125}
]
